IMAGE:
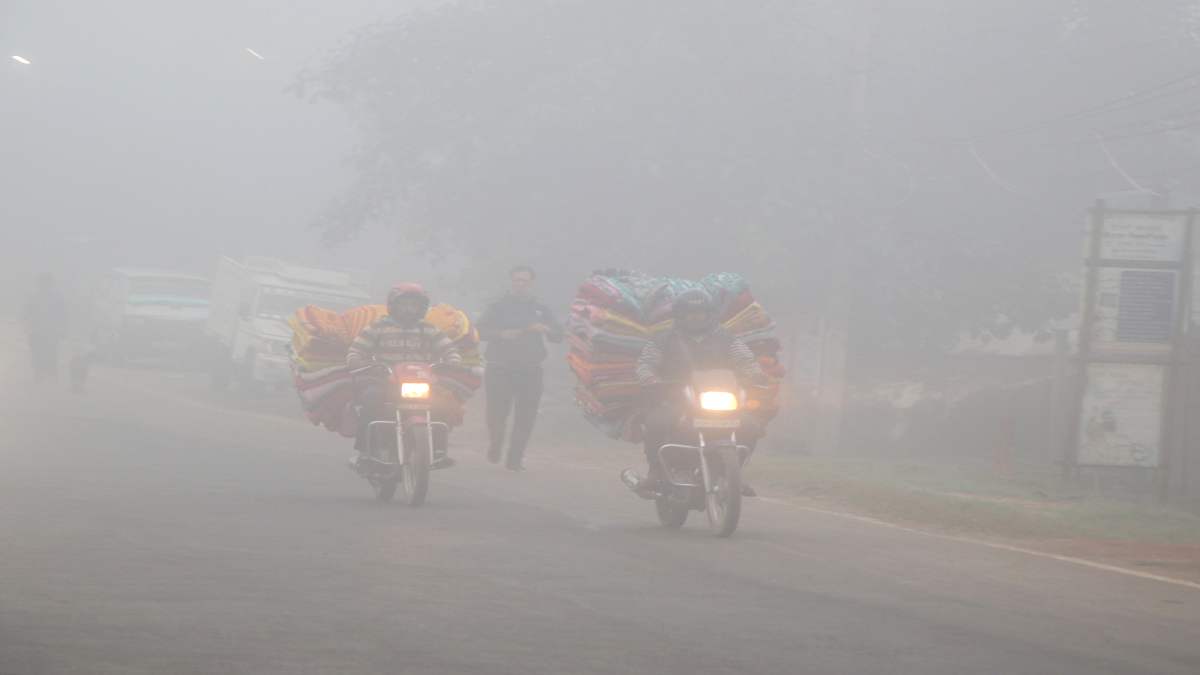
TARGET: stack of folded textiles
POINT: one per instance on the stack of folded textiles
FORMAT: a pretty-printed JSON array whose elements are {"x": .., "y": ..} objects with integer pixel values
[
  {"x": 455, "y": 384},
  {"x": 617, "y": 311},
  {"x": 321, "y": 338}
]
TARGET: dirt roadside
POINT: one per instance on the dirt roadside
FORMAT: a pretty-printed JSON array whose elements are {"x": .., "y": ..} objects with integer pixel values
[{"x": 1026, "y": 510}]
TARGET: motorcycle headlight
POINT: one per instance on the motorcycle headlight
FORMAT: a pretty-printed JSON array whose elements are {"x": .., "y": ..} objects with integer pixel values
[
  {"x": 414, "y": 390},
  {"x": 718, "y": 401}
]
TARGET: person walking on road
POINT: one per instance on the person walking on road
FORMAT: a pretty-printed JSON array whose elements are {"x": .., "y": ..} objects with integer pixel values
[
  {"x": 46, "y": 322},
  {"x": 516, "y": 328}
]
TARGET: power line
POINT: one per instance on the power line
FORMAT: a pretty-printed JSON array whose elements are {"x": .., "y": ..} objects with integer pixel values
[
  {"x": 990, "y": 172},
  {"x": 1155, "y": 132},
  {"x": 1137, "y": 129},
  {"x": 975, "y": 73},
  {"x": 1121, "y": 170},
  {"x": 1125, "y": 102}
]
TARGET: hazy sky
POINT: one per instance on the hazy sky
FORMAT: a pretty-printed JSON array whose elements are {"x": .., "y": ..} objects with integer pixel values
[{"x": 148, "y": 122}]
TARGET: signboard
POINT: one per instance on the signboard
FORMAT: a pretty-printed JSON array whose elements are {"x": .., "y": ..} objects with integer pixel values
[
  {"x": 1143, "y": 237},
  {"x": 1121, "y": 421},
  {"x": 1138, "y": 277},
  {"x": 1135, "y": 310}
]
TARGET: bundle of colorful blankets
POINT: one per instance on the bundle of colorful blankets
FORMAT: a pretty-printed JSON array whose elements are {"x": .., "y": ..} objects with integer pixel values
[
  {"x": 321, "y": 338},
  {"x": 616, "y": 311}
]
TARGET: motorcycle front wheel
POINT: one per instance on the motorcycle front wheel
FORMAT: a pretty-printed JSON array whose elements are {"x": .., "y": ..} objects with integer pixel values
[
  {"x": 415, "y": 474},
  {"x": 724, "y": 500}
]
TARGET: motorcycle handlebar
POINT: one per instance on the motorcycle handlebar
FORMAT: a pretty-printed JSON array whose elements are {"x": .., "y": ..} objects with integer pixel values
[
  {"x": 370, "y": 367},
  {"x": 385, "y": 368}
]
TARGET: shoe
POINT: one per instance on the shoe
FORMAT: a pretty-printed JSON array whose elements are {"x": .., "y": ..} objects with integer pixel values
[
  {"x": 518, "y": 467},
  {"x": 748, "y": 491},
  {"x": 647, "y": 486},
  {"x": 493, "y": 455},
  {"x": 444, "y": 462},
  {"x": 355, "y": 462}
]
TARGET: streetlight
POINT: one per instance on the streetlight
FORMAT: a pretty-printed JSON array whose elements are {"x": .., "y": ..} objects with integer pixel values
[{"x": 22, "y": 60}]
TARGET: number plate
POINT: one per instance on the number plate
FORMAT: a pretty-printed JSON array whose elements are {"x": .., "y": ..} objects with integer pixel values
[{"x": 699, "y": 423}]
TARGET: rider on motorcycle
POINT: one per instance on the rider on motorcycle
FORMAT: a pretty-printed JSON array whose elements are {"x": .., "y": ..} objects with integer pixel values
[
  {"x": 697, "y": 341},
  {"x": 403, "y": 336}
]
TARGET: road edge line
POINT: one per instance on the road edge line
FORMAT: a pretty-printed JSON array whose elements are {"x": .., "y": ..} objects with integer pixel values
[{"x": 989, "y": 544}]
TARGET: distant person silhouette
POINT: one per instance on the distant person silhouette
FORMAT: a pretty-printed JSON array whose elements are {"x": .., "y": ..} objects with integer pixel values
[
  {"x": 516, "y": 328},
  {"x": 46, "y": 323}
]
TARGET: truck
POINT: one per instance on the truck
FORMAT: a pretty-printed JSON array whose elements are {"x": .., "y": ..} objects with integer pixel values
[
  {"x": 142, "y": 312},
  {"x": 252, "y": 300}
]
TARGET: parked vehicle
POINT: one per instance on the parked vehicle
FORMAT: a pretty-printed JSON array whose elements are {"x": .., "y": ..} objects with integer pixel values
[
  {"x": 252, "y": 300},
  {"x": 143, "y": 313}
]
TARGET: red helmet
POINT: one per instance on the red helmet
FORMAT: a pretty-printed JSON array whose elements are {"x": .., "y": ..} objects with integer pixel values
[{"x": 409, "y": 290}]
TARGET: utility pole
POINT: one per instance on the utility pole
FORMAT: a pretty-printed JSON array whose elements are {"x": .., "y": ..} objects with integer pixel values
[{"x": 835, "y": 327}]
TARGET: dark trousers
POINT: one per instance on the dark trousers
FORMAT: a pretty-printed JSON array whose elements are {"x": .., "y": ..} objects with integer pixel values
[
  {"x": 44, "y": 351},
  {"x": 516, "y": 390},
  {"x": 377, "y": 403}
]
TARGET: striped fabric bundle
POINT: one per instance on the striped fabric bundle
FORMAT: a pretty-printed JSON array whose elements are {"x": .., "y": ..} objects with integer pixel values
[
  {"x": 616, "y": 311},
  {"x": 459, "y": 382},
  {"x": 321, "y": 339}
]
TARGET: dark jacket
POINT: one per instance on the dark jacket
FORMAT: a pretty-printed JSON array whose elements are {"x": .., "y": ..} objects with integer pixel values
[
  {"x": 46, "y": 315},
  {"x": 514, "y": 312},
  {"x": 671, "y": 357}
]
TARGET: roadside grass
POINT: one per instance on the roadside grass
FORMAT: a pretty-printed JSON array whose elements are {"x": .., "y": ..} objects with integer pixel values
[{"x": 968, "y": 500}]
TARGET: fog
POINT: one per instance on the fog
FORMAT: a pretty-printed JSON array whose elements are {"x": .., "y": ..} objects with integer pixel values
[
  {"x": 149, "y": 125},
  {"x": 921, "y": 128},
  {"x": 957, "y": 431}
]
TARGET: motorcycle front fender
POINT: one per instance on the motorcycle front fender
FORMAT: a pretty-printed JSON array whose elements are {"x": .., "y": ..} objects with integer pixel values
[{"x": 415, "y": 423}]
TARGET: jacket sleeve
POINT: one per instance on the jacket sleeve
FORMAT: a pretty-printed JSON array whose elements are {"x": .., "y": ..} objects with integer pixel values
[
  {"x": 745, "y": 363},
  {"x": 362, "y": 350},
  {"x": 555, "y": 334},
  {"x": 486, "y": 325},
  {"x": 444, "y": 350},
  {"x": 649, "y": 364}
]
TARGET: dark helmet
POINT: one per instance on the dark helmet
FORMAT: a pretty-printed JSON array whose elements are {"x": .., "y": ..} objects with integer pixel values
[
  {"x": 408, "y": 312},
  {"x": 693, "y": 312}
]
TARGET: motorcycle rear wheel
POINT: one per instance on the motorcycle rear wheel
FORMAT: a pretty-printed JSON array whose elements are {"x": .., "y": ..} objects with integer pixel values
[
  {"x": 385, "y": 490},
  {"x": 672, "y": 514}
]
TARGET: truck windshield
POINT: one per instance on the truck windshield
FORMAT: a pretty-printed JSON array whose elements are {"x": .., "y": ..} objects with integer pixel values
[
  {"x": 192, "y": 289},
  {"x": 282, "y": 303}
]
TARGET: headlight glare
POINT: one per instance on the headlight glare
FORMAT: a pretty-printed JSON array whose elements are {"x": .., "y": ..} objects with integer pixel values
[
  {"x": 718, "y": 401},
  {"x": 414, "y": 390}
]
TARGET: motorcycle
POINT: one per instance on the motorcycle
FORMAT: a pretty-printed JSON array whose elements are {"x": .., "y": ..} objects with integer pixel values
[
  {"x": 705, "y": 474},
  {"x": 401, "y": 453}
]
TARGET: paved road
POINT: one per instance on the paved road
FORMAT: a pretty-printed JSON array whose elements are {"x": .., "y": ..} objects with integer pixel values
[{"x": 146, "y": 530}]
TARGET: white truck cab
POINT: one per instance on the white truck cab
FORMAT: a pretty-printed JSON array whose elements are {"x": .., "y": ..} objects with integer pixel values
[{"x": 252, "y": 300}]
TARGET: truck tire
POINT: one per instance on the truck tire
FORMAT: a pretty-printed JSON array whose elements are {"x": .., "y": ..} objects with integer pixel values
[
  {"x": 220, "y": 368},
  {"x": 246, "y": 375},
  {"x": 220, "y": 373}
]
